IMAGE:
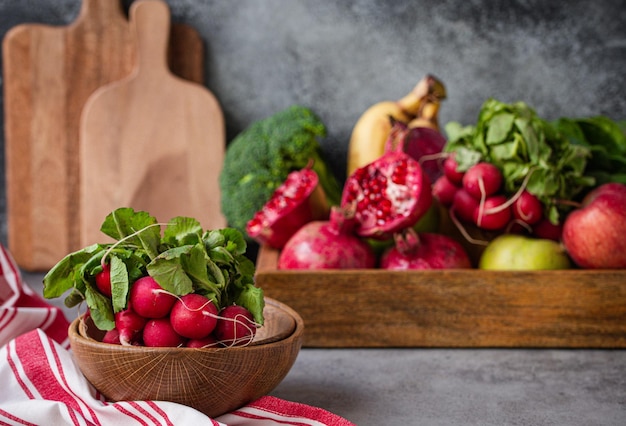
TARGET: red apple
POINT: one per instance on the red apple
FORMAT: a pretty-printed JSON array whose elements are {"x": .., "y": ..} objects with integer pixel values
[{"x": 594, "y": 235}]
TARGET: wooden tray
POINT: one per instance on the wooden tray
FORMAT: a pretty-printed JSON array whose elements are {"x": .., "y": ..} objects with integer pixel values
[{"x": 452, "y": 308}]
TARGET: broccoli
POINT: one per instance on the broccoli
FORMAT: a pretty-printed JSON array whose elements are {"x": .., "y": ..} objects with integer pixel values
[{"x": 258, "y": 160}]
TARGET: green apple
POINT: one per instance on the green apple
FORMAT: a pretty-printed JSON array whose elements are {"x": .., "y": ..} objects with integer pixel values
[{"x": 518, "y": 252}]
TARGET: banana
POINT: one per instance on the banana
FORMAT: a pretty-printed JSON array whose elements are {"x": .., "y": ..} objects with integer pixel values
[{"x": 370, "y": 132}]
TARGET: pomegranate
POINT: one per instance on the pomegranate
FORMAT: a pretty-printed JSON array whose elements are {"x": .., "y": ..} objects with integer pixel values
[
  {"x": 391, "y": 193},
  {"x": 424, "y": 251},
  {"x": 297, "y": 201},
  {"x": 329, "y": 244}
]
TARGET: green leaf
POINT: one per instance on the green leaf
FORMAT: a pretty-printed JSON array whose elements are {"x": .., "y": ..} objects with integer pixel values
[
  {"x": 119, "y": 284},
  {"x": 195, "y": 265},
  {"x": 251, "y": 298},
  {"x": 100, "y": 309},
  {"x": 167, "y": 269},
  {"x": 138, "y": 229},
  {"x": 182, "y": 231},
  {"x": 499, "y": 128},
  {"x": 61, "y": 277}
]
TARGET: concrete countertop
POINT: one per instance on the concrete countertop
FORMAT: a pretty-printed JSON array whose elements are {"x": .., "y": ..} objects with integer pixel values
[{"x": 456, "y": 386}]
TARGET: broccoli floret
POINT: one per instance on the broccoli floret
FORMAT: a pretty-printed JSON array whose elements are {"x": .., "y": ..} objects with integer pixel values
[{"x": 259, "y": 159}]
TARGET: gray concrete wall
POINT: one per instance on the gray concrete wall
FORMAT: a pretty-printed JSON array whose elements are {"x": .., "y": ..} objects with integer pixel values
[{"x": 564, "y": 58}]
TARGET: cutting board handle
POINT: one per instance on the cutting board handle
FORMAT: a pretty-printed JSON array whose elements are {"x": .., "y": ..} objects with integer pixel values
[
  {"x": 150, "y": 20},
  {"x": 98, "y": 11}
]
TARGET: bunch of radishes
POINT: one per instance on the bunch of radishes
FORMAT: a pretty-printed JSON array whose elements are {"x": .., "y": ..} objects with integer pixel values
[
  {"x": 186, "y": 287},
  {"x": 476, "y": 196},
  {"x": 157, "y": 318}
]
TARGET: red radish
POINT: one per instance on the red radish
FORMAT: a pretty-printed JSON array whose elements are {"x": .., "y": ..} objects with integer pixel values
[
  {"x": 390, "y": 194},
  {"x": 159, "y": 332},
  {"x": 547, "y": 230},
  {"x": 103, "y": 280},
  {"x": 327, "y": 245},
  {"x": 129, "y": 325},
  {"x": 206, "y": 342},
  {"x": 235, "y": 326},
  {"x": 444, "y": 190},
  {"x": 297, "y": 201},
  {"x": 527, "y": 208},
  {"x": 424, "y": 145},
  {"x": 450, "y": 169},
  {"x": 482, "y": 180},
  {"x": 112, "y": 337},
  {"x": 492, "y": 215},
  {"x": 464, "y": 205},
  {"x": 424, "y": 251},
  {"x": 193, "y": 316},
  {"x": 149, "y": 299}
]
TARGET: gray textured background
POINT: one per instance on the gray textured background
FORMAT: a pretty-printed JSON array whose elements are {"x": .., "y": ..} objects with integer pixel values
[{"x": 338, "y": 57}]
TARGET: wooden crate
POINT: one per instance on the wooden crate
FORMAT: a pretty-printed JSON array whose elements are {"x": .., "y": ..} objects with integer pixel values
[{"x": 452, "y": 308}]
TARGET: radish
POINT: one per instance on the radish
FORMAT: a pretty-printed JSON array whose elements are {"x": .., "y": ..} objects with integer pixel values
[
  {"x": 149, "y": 299},
  {"x": 547, "y": 230},
  {"x": 103, "y": 280},
  {"x": 159, "y": 332},
  {"x": 464, "y": 205},
  {"x": 527, "y": 208},
  {"x": 482, "y": 180},
  {"x": 493, "y": 214},
  {"x": 424, "y": 251},
  {"x": 206, "y": 342},
  {"x": 235, "y": 326},
  {"x": 112, "y": 337},
  {"x": 450, "y": 170},
  {"x": 327, "y": 245},
  {"x": 129, "y": 325},
  {"x": 193, "y": 316},
  {"x": 444, "y": 190}
]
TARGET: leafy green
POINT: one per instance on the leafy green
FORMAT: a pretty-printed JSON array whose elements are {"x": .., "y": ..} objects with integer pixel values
[
  {"x": 552, "y": 160},
  {"x": 258, "y": 160},
  {"x": 184, "y": 259}
]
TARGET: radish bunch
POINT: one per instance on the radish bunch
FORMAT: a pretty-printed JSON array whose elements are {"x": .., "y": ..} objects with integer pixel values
[
  {"x": 157, "y": 318},
  {"x": 477, "y": 196},
  {"x": 171, "y": 284}
]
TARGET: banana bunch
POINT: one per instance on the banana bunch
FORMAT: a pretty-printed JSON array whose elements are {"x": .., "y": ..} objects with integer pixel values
[{"x": 418, "y": 108}]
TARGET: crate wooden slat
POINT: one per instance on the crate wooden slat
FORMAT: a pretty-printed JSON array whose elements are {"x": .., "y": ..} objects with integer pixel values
[{"x": 452, "y": 308}]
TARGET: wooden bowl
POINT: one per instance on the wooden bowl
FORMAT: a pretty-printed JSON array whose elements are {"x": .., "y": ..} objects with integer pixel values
[{"x": 212, "y": 380}]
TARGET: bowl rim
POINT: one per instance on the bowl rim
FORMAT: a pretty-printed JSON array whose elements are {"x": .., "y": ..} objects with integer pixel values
[{"x": 75, "y": 335}]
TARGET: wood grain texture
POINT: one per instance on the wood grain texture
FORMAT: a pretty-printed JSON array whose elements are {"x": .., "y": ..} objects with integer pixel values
[
  {"x": 151, "y": 141},
  {"x": 452, "y": 308},
  {"x": 212, "y": 380},
  {"x": 49, "y": 72}
]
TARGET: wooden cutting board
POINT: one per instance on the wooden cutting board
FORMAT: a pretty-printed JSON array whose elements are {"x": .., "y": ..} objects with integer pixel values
[
  {"x": 49, "y": 72},
  {"x": 152, "y": 141}
]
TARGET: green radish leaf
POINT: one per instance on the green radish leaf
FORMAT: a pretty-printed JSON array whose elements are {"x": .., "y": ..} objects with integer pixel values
[
  {"x": 135, "y": 229},
  {"x": 182, "y": 231},
  {"x": 251, "y": 298},
  {"x": 195, "y": 265},
  {"x": 62, "y": 276},
  {"x": 167, "y": 269},
  {"x": 100, "y": 309},
  {"x": 119, "y": 284}
]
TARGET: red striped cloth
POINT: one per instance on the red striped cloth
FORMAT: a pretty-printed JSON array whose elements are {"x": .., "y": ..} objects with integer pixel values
[{"x": 40, "y": 384}]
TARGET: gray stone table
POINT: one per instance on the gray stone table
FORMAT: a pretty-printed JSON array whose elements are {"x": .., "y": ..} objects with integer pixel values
[{"x": 456, "y": 386}]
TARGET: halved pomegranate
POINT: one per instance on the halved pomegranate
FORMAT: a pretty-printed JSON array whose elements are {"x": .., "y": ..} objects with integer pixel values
[
  {"x": 389, "y": 194},
  {"x": 298, "y": 201}
]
